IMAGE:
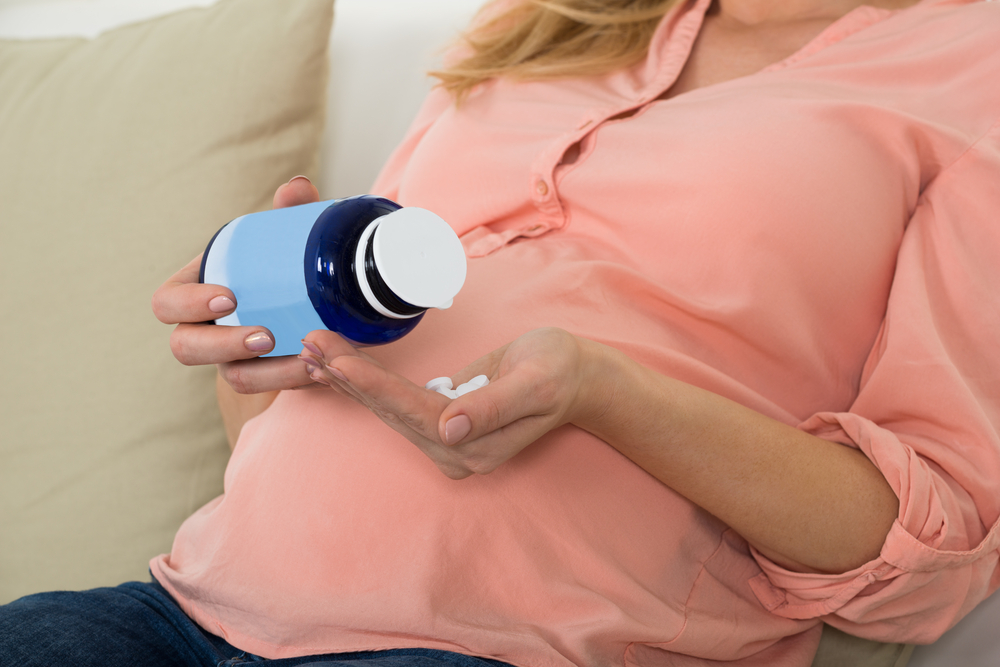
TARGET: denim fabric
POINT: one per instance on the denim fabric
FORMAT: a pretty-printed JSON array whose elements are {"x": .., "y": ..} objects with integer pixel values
[{"x": 139, "y": 625}]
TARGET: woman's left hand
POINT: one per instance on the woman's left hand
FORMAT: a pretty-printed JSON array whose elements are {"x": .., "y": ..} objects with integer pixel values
[{"x": 537, "y": 383}]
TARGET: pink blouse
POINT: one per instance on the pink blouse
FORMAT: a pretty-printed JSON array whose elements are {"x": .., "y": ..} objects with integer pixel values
[{"x": 819, "y": 241}]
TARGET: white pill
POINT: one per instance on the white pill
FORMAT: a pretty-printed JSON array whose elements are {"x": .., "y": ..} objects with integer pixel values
[
  {"x": 475, "y": 383},
  {"x": 437, "y": 384}
]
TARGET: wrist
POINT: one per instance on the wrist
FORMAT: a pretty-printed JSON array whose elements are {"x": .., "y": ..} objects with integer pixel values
[{"x": 602, "y": 369}]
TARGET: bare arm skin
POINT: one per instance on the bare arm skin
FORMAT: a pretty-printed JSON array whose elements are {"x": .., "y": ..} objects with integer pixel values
[{"x": 804, "y": 502}]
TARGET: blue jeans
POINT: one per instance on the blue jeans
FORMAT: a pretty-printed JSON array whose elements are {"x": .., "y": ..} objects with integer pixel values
[{"x": 139, "y": 625}]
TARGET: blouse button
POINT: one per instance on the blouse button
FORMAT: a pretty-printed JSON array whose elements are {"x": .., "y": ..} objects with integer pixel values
[{"x": 542, "y": 188}]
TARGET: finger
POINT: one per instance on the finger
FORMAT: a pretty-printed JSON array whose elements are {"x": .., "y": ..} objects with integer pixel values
[
  {"x": 334, "y": 378},
  {"x": 328, "y": 345},
  {"x": 190, "y": 303},
  {"x": 197, "y": 344},
  {"x": 321, "y": 376},
  {"x": 495, "y": 407},
  {"x": 256, "y": 376},
  {"x": 320, "y": 345},
  {"x": 318, "y": 380},
  {"x": 483, "y": 455},
  {"x": 408, "y": 409},
  {"x": 392, "y": 395},
  {"x": 299, "y": 190},
  {"x": 183, "y": 299},
  {"x": 486, "y": 453},
  {"x": 312, "y": 386}
]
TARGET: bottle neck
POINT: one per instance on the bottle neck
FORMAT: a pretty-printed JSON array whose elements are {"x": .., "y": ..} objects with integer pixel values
[{"x": 373, "y": 287}]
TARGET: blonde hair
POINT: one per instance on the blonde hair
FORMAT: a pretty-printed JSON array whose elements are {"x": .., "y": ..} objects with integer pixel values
[{"x": 546, "y": 39}]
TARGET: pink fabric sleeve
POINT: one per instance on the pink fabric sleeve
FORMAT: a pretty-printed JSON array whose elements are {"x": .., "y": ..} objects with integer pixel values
[{"x": 928, "y": 415}]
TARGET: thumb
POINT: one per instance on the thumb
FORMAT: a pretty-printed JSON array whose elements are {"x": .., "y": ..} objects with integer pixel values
[{"x": 499, "y": 407}]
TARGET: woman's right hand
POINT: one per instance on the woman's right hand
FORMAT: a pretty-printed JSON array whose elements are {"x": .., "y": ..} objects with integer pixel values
[{"x": 183, "y": 301}]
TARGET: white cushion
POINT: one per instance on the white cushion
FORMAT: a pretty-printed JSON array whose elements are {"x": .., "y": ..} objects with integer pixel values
[
  {"x": 380, "y": 51},
  {"x": 38, "y": 19}
]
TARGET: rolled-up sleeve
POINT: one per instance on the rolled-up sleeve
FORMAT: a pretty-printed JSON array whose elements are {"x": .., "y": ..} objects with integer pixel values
[{"x": 928, "y": 416}]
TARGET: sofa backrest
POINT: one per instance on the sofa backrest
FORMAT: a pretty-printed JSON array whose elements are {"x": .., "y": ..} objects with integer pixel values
[{"x": 380, "y": 51}]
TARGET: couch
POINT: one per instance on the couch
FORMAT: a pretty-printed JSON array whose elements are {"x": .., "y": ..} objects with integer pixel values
[{"x": 129, "y": 132}]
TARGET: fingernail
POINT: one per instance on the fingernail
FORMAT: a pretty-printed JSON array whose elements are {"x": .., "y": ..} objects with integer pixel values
[
  {"x": 258, "y": 342},
  {"x": 337, "y": 374},
  {"x": 457, "y": 428},
  {"x": 312, "y": 348},
  {"x": 221, "y": 304},
  {"x": 295, "y": 178},
  {"x": 310, "y": 363}
]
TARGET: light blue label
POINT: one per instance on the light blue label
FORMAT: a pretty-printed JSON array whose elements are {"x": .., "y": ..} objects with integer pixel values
[{"x": 261, "y": 260}]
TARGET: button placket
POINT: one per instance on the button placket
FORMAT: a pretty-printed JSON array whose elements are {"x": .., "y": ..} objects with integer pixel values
[
  {"x": 543, "y": 170},
  {"x": 544, "y": 192},
  {"x": 546, "y": 200}
]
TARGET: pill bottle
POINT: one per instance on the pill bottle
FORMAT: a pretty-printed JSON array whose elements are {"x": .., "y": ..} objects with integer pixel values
[{"x": 362, "y": 266}]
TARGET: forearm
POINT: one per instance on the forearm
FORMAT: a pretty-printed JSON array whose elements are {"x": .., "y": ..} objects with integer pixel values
[
  {"x": 806, "y": 503},
  {"x": 237, "y": 409}
]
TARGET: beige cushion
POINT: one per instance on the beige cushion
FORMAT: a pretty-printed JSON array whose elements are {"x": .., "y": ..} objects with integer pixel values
[{"x": 119, "y": 158}]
